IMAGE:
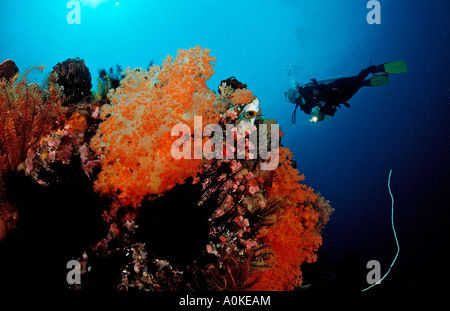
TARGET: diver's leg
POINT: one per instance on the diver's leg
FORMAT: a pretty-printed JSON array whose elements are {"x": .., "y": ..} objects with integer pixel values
[
  {"x": 355, "y": 82},
  {"x": 344, "y": 89},
  {"x": 365, "y": 72}
]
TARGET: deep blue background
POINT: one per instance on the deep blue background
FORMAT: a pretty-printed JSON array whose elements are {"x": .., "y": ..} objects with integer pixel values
[{"x": 402, "y": 126}]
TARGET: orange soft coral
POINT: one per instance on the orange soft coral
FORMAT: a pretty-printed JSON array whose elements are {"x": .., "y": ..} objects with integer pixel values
[
  {"x": 135, "y": 139},
  {"x": 296, "y": 233},
  {"x": 78, "y": 121},
  {"x": 242, "y": 97}
]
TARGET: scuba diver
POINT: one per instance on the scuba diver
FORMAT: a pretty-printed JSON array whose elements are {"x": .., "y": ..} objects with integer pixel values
[{"x": 320, "y": 99}]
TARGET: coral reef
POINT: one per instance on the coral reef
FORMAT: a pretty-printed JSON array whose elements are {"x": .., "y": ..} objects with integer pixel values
[
  {"x": 146, "y": 221},
  {"x": 75, "y": 78},
  {"x": 227, "y": 225}
]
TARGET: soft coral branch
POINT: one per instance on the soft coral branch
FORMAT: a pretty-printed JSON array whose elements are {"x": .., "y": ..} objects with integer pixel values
[{"x": 135, "y": 138}]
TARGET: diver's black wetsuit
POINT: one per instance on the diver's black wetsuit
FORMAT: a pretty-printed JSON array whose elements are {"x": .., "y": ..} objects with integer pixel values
[{"x": 331, "y": 95}]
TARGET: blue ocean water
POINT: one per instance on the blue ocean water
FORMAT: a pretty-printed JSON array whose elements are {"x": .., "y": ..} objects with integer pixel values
[{"x": 401, "y": 126}]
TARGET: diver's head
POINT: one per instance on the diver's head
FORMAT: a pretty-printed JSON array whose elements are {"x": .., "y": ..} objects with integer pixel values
[
  {"x": 316, "y": 115},
  {"x": 292, "y": 96}
]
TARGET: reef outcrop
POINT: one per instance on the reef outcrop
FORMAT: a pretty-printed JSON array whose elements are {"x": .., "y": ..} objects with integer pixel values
[
  {"x": 75, "y": 78},
  {"x": 8, "y": 69}
]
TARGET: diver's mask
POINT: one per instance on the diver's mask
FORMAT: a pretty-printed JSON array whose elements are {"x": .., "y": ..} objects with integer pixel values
[
  {"x": 316, "y": 115},
  {"x": 292, "y": 96}
]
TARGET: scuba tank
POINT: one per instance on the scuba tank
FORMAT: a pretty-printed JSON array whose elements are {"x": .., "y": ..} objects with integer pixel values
[{"x": 324, "y": 81}]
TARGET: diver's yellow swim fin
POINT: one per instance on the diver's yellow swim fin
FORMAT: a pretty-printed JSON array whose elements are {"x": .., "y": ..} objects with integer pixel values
[
  {"x": 379, "y": 80},
  {"x": 398, "y": 66}
]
